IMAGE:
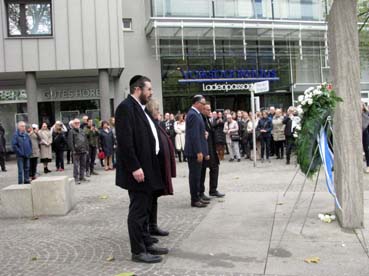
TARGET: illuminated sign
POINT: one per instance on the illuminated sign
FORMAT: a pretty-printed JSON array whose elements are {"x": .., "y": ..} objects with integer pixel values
[{"x": 241, "y": 75}]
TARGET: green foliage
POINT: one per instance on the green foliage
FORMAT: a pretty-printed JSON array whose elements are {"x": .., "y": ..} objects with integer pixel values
[{"x": 322, "y": 105}]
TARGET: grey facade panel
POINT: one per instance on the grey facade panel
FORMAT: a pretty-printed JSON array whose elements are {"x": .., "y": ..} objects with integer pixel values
[
  {"x": 2, "y": 42},
  {"x": 61, "y": 34},
  {"x": 119, "y": 17},
  {"x": 102, "y": 33},
  {"x": 75, "y": 34},
  {"x": 87, "y": 34},
  {"x": 30, "y": 54},
  {"x": 13, "y": 53},
  {"x": 114, "y": 37},
  {"x": 139, "y": 58},
  {"x": 46, "y": 48}
]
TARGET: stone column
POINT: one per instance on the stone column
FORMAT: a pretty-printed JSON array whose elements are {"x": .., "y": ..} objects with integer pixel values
[
  {"x": 345, "y": 70},
  {"x": 57, "y": 111},
  {"x": 31, "y": 90},
  {"x": 104, "y": 94}
]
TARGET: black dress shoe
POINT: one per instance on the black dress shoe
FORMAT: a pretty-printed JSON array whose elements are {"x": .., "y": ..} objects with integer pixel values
[
  {"x": 152, "y": 240},
  {"x": 205, "y": 202},
  {"x": 205, "y": 198},
  {"x": 153, "y": 250},
  {"x": 156, "y": 231},
  {"x": 217, "y": 194},
  {"x": 198, "y": 204},
  {"x": 146, "y": 258}
]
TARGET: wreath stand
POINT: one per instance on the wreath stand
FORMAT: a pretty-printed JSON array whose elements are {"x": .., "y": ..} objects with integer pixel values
[{"x": 362, "y": 240}]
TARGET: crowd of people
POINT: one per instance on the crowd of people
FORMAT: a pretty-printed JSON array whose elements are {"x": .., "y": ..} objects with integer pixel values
[
  {"x": 81, "y": 141},
  {"x": 234, "y": 133}
]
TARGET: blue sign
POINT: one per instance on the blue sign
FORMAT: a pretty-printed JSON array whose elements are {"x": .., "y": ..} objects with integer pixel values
[{"x": 241, "y": 75}]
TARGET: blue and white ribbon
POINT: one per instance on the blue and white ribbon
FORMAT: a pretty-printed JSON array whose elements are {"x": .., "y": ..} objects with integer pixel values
[{"x": 328, "y": 162}]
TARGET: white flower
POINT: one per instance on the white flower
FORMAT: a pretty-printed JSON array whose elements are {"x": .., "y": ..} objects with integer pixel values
[
  {"x": 315, "y": 92},
  {"x": 295, "y": 135},
  {"x": 308, "y": 96},
  {"x": 310, "y": 101},
  {"x": 303, "y": 102},
  {"x": 300, "y": 98},
  {"x": 298, "y": 127},
  {"x": 308, "y": 91},
  {"x": 299, "y": 109}
]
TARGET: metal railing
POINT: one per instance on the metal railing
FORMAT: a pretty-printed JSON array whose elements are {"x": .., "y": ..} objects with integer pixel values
[{"x": 309, "y": 10}]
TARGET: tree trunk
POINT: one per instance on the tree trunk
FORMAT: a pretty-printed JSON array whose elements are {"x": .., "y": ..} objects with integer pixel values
[{"x": 345, "y": 71}]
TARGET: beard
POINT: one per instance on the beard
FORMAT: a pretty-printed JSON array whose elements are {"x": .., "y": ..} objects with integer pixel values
[{"x": 144, "y": 99}]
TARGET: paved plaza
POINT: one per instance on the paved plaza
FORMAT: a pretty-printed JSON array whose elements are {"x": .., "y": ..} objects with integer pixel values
[{"x": 237, "y": 235}]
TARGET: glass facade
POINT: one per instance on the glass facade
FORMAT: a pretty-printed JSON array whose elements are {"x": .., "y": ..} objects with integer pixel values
[
  {"x": 199, "y": 56},
  {"x": 309, "y": 10}
]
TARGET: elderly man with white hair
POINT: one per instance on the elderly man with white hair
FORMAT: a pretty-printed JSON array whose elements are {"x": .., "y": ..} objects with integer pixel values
[
  {"x": 78, "y": 145},
  {"x": 22, "y": 147}
]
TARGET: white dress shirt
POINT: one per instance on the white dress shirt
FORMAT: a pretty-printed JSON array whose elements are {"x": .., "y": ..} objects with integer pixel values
[{"x": 152, "y": 125}]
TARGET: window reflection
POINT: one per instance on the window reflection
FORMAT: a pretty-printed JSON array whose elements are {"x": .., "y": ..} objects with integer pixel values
[
  {"x": 38, "y": 19},
  {"x": 28, "y": 19}
]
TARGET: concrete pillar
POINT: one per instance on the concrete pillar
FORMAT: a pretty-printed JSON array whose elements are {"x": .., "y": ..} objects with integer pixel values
[
  {"x": 345, "y": 70},
  {"x": 104, "y": 94},
  {"x": 57, "y": 111},
  {"x": 31, "y": 90},
  {"x": 120, "y": 92}
]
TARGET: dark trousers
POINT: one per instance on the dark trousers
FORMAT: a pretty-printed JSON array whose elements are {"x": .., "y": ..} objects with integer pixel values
[
  {"x": 68, "y": 156},
  {"x": 138, "y": 218},
  {"x": 33, "y": 166},
  {"x": 153, "y": 220},
  {"x": 213, "y": 178},
  {"x": 180, "y": 154},
  {"x": 91, "y": 158},
  {"x": 265, "y": 145},
  {"x": 59, "y": 159},
  {"x": 272, "y": 146},
  {"x": 23, "y": 170},
  {"x": 279, "y": 148},
  {"x": 194, "y": 178},
  {"x": 79, "y": 165},
  {"x": 2, "y": 160},
  {"x": 366, "y": 145},
  {"x": 290, "y": 145}
]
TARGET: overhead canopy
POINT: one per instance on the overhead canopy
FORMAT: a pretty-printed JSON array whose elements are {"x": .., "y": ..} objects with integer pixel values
[{"x": 255, "y": 29}]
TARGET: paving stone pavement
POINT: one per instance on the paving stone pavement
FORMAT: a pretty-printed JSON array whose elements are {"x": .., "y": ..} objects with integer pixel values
[{"x": 81, "y": 242}]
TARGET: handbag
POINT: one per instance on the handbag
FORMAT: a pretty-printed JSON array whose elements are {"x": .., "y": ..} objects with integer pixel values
[
  {"x": 235, "y": 136},
  {"x": 101, "y": 155}
]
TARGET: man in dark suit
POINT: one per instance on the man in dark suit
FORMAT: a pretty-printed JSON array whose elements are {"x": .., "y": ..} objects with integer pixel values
[
  {"x": 196, "y": 149},
  {"x": 213, "y": 162},
  {"x": 138, "y": 168}
]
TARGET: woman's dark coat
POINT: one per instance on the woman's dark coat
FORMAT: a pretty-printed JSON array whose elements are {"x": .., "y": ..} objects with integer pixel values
[
  {"x": 167, "y": 160},
  {"x": 60, "y": 142},
  {"x": 219, "y": 135},
  {"x": 107, "y": 142}
]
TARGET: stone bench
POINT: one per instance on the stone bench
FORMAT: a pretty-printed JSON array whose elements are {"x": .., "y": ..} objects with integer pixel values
[
  {"x": 53, "y": 195},
  {"x": 16, "y": 201},
  {"x": 46, "y": 196}
]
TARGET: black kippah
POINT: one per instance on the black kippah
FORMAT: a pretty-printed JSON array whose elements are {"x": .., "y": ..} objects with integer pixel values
[{"x": 134, "y": 80}]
